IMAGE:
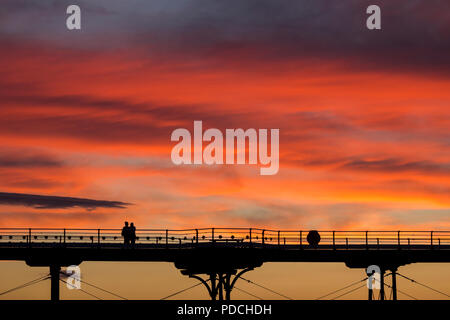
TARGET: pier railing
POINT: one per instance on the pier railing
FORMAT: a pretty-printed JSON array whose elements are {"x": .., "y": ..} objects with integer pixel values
[{"x": 256, "y": 236}]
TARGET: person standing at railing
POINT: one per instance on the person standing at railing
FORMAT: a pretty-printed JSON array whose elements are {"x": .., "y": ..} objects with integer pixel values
[
  {"x": 126, "y": 231},
  {"x": 132, "y": 234}
]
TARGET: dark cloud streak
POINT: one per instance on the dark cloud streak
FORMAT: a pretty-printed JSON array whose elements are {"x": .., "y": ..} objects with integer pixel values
[
  {"x": 55, "y": 202},
  {"x": 396, "y": 165},
  {"x": 14, "y": 160}
]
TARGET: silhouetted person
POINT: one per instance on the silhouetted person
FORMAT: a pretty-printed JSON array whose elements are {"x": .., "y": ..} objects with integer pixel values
[
  {"x": 132, "y": 234},
  {"x": 126, "y": 234}
]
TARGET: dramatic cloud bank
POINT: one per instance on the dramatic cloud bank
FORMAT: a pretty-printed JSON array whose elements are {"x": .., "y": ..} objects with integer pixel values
[{"x": 363, "y": 115}]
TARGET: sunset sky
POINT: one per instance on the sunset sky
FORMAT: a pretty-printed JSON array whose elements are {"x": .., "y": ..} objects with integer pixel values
[{"x": 363, "y": 115}]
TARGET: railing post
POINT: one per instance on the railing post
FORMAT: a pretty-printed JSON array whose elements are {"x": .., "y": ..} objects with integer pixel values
[
  {"x": 196, "y": 236},
  {"x": 334, "y": 241},
  {"x": 212, "y": 235},
  {"x": 367, "y": 240},
  {"x": 431, "y": 240},
  {"x": 278, "y": 237},
  {"x": 263, "y": 236},
  {"x": 29, "y": 236},
  {"x": 167, "y": 238},
  {"x": 64, "y": 235},
  {"x": 301, "y": 241},
  {"x": 398, "y": 237},
  {"x": 98, "y": 237}
]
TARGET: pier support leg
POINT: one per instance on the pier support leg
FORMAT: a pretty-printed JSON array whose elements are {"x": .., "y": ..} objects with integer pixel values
[
  {"x": 394, "y": 284},
  {"x": 221, "y": 286},
  {"x": 54, "y": 286},
  {"x": 227, "y": 287},
  {"x": 382, "y": 295},
  {"x": 212, "y": 278}
]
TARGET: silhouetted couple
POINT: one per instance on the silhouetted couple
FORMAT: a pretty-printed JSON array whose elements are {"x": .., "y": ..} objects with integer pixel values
[{"x": 129, "y": 234}]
